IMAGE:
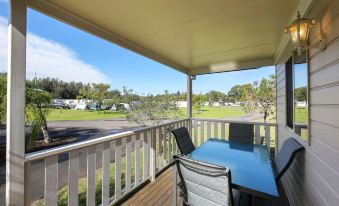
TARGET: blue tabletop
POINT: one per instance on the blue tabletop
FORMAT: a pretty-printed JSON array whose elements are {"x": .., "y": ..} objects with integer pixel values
[{"x": 250, "y": 165}]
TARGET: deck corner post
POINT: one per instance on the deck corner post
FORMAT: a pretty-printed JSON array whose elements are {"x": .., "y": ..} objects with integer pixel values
[
  {"x": 189, "y": 96},
  {"x": 16, "y": 76}
]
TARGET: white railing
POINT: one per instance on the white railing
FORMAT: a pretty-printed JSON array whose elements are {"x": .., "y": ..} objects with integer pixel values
[
  {"x": 117, "y": 164},
  {"x": 202, "y": 129},
  {"x": 137, "y": 156}
]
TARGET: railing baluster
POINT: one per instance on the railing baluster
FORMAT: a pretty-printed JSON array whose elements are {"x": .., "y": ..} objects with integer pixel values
[
  {"x": 137, "y": 159},
  {"x": 202, "y": 132},
  {"x": 91, "y": 167},
  {"x": 195, "y": 125},
  {"x": 169, "y": 143},
  {"x": 257, "y": 134},
  {"x": 28, "y": 185},
  {"x": 153, "y": 150},
  {"x": 117, "y": 169},
  {"x": 175, "y": 146},
  {"x": 159, "y": 146},
  {"x": 145, "y": 156},
  {"x": 165, "y": 156},
  {"x": 128, "y": 164},
  {"x": 223, "y": 135},
  {"x": 216, "y": 132},
  {"x": 105, "y": 173},
  {"x": 51, "y": 180},
  {"x": 208, "y": 129},
  {"x": 73, "y": 178},
  {"x": 160, "y": 143},
  {"x": 149, "y": 147},
  {"x": 268, "y": 137}
]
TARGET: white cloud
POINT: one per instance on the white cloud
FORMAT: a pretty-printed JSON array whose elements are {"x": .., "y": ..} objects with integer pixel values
[{"x": 47, "y": 58}]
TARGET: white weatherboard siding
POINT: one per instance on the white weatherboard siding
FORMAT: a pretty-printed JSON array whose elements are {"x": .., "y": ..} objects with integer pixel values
[{"x": 313, "y": 178}]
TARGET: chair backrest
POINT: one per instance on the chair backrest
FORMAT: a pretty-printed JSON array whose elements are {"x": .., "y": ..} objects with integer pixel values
[
  {"x": 285, "y": 156},
  {"x": 203, "y": 183},
  {"x": 183, "y": 140},
  {"x": 240, "y": 132}
]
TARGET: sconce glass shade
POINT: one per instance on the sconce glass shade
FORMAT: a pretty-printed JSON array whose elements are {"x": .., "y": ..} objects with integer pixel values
[{"x": 299, "y": 30}]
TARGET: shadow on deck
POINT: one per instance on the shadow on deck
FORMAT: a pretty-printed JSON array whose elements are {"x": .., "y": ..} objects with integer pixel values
[{"x": 159, "y": 193}]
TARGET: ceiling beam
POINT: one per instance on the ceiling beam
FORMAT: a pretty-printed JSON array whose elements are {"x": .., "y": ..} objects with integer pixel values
[{"x": 232, "y": 66}]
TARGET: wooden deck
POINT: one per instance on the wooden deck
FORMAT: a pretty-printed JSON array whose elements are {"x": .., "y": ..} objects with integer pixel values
[{"x": 159, "y": 193}]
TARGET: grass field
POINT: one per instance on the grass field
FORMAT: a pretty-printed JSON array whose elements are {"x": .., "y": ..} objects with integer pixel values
[
  {"x": 219, "y": 112},
  {"x": 301, "y": 115},
  {"x": 70, "y": 114},
  {"x": 207, "y": 112}
]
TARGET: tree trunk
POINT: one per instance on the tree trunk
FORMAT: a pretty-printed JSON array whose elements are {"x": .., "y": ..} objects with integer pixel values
[
  {"x": 265, "y": 115},
  {"x": 44, "y": 130}
]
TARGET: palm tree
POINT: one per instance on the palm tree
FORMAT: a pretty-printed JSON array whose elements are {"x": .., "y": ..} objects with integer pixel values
[{"x": 37, "y": 108}]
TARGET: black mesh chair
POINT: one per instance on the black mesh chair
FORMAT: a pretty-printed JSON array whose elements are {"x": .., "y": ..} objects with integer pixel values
[
  {"x": 285, "y": 157},
  {"x": 203, "y": 183},
  {"x": 183, "y": 140},
  {"x": 243, "y": 133}
]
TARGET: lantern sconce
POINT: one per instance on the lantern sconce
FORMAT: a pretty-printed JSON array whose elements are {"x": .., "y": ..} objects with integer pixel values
[{"x": 299, "y": 30}]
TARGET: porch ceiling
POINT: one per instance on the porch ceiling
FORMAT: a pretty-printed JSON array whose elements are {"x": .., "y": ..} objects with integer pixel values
[{"x": 192, "y": 36}]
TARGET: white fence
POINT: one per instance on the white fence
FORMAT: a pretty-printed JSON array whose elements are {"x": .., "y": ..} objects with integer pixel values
[{"x": 147, "y": 151}]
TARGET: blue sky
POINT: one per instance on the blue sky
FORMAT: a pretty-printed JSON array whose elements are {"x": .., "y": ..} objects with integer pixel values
[{"x": 58, "y": 50}]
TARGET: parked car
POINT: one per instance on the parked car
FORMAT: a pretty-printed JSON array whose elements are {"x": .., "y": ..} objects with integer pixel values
[
  {"x": 59, "y": 105},
  {"x": 122, "y": 107},
  {"x": 81, "y": 106},
  {"x": 113, "y": 108}
]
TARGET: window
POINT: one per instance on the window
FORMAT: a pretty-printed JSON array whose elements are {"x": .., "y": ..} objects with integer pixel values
[
  {"x": 297, "y": 94},
  {"x": 289, "y": 93}
]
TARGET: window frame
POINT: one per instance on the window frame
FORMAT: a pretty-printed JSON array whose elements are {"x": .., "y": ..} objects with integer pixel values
[{"x": 290, "y": 82}]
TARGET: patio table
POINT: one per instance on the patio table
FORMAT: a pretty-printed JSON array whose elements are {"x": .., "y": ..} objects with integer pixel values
[{"x": 250, "y": 166}]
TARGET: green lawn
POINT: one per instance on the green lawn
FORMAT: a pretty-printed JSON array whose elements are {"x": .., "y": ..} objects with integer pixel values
[
  {"x": 219, "y": 112},
  {"x": 70, "y": 114},
  {"x": 301, "y": 115}
]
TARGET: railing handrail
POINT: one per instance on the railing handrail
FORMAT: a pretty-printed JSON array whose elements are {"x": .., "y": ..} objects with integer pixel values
[
  {"x": 234, "y": 121},
  {"x": 80, "y": 145}
]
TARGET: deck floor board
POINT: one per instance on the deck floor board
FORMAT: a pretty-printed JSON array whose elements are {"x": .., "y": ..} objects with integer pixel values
[{"x": 159, "y": 193}]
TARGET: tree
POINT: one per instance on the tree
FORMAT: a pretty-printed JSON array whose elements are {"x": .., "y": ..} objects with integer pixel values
[
  {"x": 95, "y": 92},
  {"x": 248, "y": 95},
  {"x": 215, "y": 96},
  {"x": 154, "y": 109},
  {"x": 37, "y": 108},
  {"x": 266, "y": 96},
  {"x": 99, "y": 92},
  {"x": 3, "y": 97},
  {"x": 128, "y": 95},
  {"x": 235, "y": 93},
  {"x": 261, "y": 95},
  {"x": 300, "y": 94}
]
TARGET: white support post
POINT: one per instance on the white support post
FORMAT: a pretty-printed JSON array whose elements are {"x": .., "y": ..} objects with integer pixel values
[
  {"x": 15, "y": 142},
  {"x": 189, "y": 96}
]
